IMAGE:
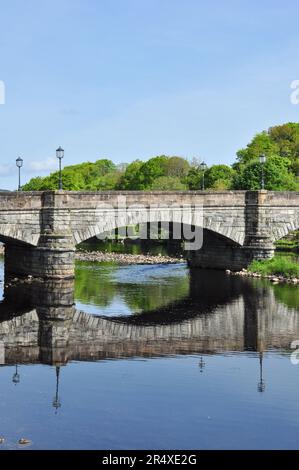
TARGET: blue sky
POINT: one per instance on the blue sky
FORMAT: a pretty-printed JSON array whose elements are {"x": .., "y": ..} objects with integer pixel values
[{"x": 127, "y": 79}]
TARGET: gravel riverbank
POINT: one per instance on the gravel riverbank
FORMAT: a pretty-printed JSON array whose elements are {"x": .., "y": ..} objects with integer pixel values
[
  {"x": 121, "y": 258},
  {"x": 125, "y": 258},
  {"x": 274, "y": 278}
]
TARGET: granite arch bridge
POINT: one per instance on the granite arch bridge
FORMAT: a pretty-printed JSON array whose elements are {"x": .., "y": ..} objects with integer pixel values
[{"x": 41, "y": 229}]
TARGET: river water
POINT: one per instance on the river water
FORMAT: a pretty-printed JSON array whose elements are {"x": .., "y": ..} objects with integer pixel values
[{"x": 149, "y": 357}]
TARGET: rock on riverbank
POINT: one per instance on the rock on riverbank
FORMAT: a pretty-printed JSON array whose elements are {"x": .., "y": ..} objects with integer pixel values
[
  {"x": 125, "y": 258},
  {"x": 275, "y": 279}
]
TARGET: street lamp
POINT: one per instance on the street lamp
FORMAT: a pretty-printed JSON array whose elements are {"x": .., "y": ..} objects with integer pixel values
[
  {"x": 262, "y": 162},
  {"x": 19, "y": 163},
  {"x": 203, "y": 167},
  {"x": 60, "y": 155}
]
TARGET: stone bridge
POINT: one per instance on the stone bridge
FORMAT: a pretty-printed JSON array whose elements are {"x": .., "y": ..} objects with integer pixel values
[{"x": 41, "y": 229}]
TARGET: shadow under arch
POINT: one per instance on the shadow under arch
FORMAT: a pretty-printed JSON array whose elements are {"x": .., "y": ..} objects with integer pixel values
[
  {"x": 202, "y": 247},
  {"x": 18, "y": 238},
  {"x": 169, "y": 216}
]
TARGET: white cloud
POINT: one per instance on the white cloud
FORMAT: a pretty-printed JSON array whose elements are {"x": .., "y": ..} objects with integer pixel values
[{"x": 43, "y": 165}]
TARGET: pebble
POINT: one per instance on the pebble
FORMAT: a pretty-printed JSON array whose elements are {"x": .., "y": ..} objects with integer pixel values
[
  {"x": 272, "y": 278},
  {"x": 124, "y": 258}
]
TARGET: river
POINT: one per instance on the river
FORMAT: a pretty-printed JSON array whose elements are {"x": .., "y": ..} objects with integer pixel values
[{"x": 149, "y": 357}]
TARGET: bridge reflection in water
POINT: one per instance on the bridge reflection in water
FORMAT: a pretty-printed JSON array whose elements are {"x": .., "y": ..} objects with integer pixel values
[{"x": 39, "y": 323}]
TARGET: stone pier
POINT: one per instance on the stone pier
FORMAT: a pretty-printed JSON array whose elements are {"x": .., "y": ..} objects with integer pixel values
[
  {"x": 53, "y": 257},
  {"x": 223, "y": 253}
]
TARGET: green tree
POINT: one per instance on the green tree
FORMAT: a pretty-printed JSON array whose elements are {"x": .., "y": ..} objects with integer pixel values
[
  {"x": 142, "y": 175},
  {"x": 130, "y": 179},
  {"x": 219, "y": 177},
  {"x": 282, "y": 140},
  {"x": 104, "y": 183},
  {"x": 194, "y": 178},
  {"x": 35, "y": 184},
  {"x": 170, "y": 183},
  {"x": 151, "y": 170},
  {"x": 276, "y": 174},
  {"x": 260, "y": 144},
  {"x": 177, "y": 167},
  {"x": 102, "y": 174},
  {"x": 286, "y": 137}
]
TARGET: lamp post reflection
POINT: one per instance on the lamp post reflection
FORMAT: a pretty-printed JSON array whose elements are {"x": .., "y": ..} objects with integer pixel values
[
  {"x": 261, "y": 386},
  {"x": 56, "y": 401},
  {"x": 201, "y": 364},
  {"x": 16, "y": 376}
]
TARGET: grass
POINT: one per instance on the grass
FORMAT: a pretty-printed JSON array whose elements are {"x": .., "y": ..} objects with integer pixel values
[
  {"x": 279, "y": 266},
  {"x": 290, "y": 242},
  {"x": 287, "y": 245}
]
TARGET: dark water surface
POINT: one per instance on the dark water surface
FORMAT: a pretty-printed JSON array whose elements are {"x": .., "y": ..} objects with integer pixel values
[{"x": 149, "y": 357}]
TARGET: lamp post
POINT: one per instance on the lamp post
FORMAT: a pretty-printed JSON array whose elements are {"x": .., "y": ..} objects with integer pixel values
[
  {"x": 203, "y": 167},
  {"x": 60, "y": 155},
  {"x": 19, "y": 163},
  {"x": 262, "y": 162}
]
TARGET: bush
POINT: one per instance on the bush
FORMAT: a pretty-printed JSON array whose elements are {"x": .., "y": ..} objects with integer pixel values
[{"x": 279, "y": 266}]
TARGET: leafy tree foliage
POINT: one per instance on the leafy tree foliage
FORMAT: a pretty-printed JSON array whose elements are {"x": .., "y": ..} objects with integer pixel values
[
  {"x": 280, "y": 140},
  {"x": 276, "y": 174},
  {"x": 194, "y": 178},
  {"x": 170, "y": 183},
  {"x": 280, "y": 144},
  {"x": 150, "y": 171},
  {"x": 177, "y": 167},
  {"x": 129, "y": 179},
  {"x": 260, "y": 144},
  {"x": 102, "y": 174},
  {"x": 219, "y": 177},
  {"x": 286, "y": 137},
  {"x": 144, "y": 175}
]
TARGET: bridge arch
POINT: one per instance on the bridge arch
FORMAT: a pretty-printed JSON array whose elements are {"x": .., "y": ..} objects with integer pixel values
[
  {"x": 18, "y": 237},
  {"x": 281, "y": 230},
  {"x": 109, "y": 223}
]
